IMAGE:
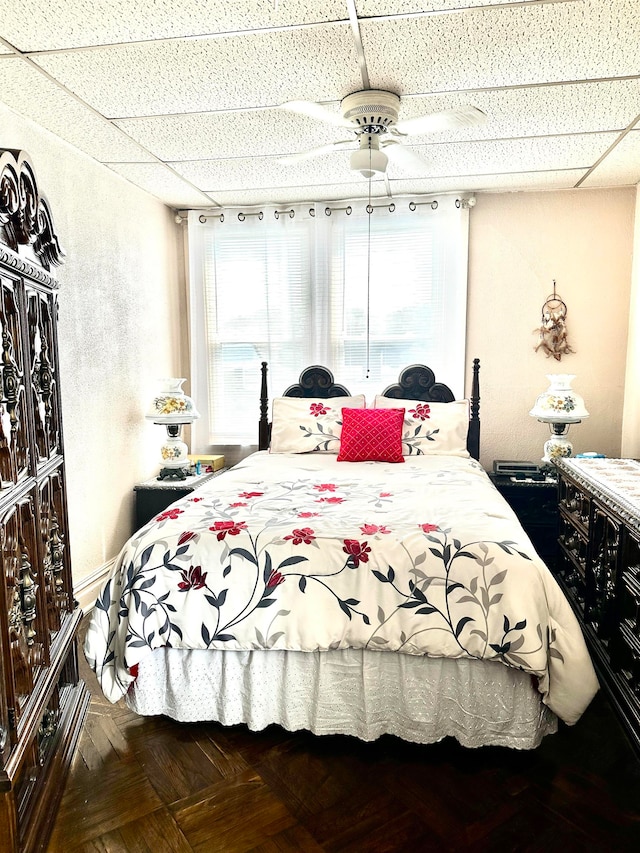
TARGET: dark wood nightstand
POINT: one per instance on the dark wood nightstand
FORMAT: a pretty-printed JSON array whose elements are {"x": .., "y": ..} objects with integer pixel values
[
  {"x": 535, "y": 502},
  {"x": 153, "y": 496}
]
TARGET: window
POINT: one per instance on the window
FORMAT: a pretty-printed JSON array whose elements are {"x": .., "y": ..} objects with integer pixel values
[{"x": 363, "y": 294}]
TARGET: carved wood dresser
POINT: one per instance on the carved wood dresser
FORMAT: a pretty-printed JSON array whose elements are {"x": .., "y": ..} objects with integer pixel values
[
  {"x": 599, "y": 568},
  {"x": 42, "y": 700}
]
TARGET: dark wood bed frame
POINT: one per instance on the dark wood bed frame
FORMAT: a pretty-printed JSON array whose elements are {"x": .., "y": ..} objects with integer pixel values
[{"x": 416, "y": 382}]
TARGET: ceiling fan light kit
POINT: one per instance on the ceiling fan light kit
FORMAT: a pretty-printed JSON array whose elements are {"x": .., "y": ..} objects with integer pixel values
[{"x": 368, "y": 159}]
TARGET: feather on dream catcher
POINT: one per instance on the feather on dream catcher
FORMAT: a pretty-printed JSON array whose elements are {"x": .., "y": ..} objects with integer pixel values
[{"x": 553, "y": 329}]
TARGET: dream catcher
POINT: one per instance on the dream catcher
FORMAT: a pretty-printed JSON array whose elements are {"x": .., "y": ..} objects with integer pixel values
[{"x": 553, "y": 330}]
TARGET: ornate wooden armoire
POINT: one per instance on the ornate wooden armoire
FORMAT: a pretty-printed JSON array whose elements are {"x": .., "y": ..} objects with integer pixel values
[{"x": 42, "y": 700}]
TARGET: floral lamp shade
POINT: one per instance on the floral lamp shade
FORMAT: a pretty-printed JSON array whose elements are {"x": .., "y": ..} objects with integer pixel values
[
  {"x": 172, "y": 408},
  {"x": 559, "y": 406},
  {"x": 171, "y": 405}
]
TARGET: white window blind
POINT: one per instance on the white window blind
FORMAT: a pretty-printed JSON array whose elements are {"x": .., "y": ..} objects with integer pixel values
[{"x": 365, "y": 295}]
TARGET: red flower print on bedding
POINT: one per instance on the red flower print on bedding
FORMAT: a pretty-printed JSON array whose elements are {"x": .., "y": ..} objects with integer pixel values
[
  {"x": 194, "y": 578},
  {"x": 233, "y": 528},
  {"x": 308, "y": 514},
  {"x": 317, "y": 409},
  {"x": 330, "y": 500},
  {"x": 185, "y": 537},
  {"x": 237, "y": 504},
  {"x": 358, "y": 552},
  {"x": 428, "y": 528},
  {"x": 325, "y": 487},
  {"x": 275, "y": 579},
  {"x": 247, "y": 495},
  {"x": 422, "y": 411},
  {"x": 169, "y": 513},
  {"x": 372, "y": 529},
  {"x": 300, "y": 535}
]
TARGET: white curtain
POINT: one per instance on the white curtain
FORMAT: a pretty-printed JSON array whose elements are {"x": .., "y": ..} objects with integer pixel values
[{"x": 364, "y": 294}]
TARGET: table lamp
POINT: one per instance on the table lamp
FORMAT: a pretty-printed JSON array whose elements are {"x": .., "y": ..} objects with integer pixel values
[
  {"x": 559, "y": 406},
  {"x": 172, "y": 408}
]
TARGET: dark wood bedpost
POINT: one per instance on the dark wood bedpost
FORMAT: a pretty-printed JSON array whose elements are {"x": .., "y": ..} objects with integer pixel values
[
  {"x": 263, "y": 424},
  {"x": 473, "y": 438}
]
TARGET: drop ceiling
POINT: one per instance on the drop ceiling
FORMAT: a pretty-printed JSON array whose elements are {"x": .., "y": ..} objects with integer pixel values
[{"x": 183, "y": 99}]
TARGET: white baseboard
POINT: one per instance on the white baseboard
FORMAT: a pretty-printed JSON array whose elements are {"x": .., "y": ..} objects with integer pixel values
[{"x": 86, "y": 590}]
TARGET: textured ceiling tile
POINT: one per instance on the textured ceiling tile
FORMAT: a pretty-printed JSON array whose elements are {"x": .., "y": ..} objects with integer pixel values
[
  {"x": 161, "y": 182},
  {"x": 297, "y": 195},
  {"x": 405, "y": 190},
  {"x": 536, "y": 110},
  {"x": 197, "y": 136},
  {"x": 5, "y": 50},
  {"x": 504, "y": 46},
  {"x": 223, "y": 131},
  {"x": 27, "y": 91},
  {"x": 212, "y": 176},
  {"x": 376, "y": 8},
  {"x": 552, "y": 180},
  {"x": 548, "y": 110},
  {"x": 522, "y": 155},
  {"x": 52, "y": 24},
  {"x": 211, "y": 74},
  {"x": 622, "y": 163}
]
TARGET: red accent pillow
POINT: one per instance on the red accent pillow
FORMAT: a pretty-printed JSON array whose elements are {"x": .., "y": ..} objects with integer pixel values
[{"x": 371, "y": 435}]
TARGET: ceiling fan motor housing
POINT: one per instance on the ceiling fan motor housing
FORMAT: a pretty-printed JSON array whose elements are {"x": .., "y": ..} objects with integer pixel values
[{"x": 371, "y": 110}]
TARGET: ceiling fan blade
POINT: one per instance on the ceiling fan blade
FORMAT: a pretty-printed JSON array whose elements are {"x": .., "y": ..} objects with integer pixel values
[
  {"x": 404, "y": 156},
  {"x": 316, "y": 111},
  {"x": 300, "y": 156},
  {"x": 458, "y": 117}
]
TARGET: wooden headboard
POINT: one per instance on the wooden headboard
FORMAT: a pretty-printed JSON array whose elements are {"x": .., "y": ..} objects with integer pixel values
[{"x": 416, "y": 382}]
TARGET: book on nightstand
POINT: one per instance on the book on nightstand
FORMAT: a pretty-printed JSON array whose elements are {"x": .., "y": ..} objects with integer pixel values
[{"x": 208, "y": 461}]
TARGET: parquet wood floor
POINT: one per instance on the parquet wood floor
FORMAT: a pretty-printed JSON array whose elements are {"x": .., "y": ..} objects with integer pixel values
[{"x": 150, "y": 785}]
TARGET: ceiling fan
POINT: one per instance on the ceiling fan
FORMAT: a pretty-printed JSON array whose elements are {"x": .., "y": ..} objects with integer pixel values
[{"x": 372, "y": 114}]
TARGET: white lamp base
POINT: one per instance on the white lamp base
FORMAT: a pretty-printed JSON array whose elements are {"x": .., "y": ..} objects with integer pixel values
[{"x": 557, "y": 447}]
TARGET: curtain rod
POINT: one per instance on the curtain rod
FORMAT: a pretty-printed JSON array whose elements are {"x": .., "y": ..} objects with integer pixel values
[{"x": 464, "y": 203}]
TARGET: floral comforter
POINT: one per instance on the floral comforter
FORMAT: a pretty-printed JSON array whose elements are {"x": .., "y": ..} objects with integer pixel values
[{"x": 299, "y": 551}]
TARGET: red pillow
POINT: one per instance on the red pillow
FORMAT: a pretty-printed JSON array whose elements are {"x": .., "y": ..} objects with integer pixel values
[{"x": 371, "y": 435}]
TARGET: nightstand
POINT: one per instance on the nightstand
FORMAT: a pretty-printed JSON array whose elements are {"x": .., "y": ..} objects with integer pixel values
[
  {"x": 535, "y": 502},
  {"x": 153, "y": 496}
]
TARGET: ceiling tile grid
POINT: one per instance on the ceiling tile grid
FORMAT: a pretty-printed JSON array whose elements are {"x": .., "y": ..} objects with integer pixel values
[
  {"x": 30, "y": 93},
  {"x": 525, "y": 155},
  {"x": 59, "y": 24},
  {"x": 194, "y": 136},
  {"x": 503, "y": 46},
  {"x": 157, "y": 180},
  {"x": 182, "y": 99},
  {"x": 623, "y": 161},
  {"x": 220, "y": 73}
]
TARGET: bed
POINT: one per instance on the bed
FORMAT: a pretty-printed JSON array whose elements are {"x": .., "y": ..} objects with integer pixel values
[{"x": 359, "y": 574}]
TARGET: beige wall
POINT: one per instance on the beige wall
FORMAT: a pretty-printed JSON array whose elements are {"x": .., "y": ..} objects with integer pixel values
[
  {"x": 631, "y": 420},
  {"x": 519, "y": 243},
  {"x": 122, "y": 325}
]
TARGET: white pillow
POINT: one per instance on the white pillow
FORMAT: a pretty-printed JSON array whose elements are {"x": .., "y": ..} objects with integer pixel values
[
  {"x": 305, "y": 424},
  {"x": 432, "y": 428}
]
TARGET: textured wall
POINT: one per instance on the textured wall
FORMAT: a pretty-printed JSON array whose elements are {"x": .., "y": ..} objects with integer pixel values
[
  {"x": 518, "y": 244},
  {"x": 122, "y": 326},
  {"x": 631, "y": 420}
]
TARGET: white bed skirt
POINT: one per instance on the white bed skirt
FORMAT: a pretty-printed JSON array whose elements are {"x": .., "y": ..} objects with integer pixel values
[{"x": 352, "y": 691}]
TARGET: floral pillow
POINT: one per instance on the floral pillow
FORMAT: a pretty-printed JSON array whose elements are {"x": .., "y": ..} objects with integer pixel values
[
  {"x": 432, "y": 428},
  {"x": 305, "y": 424}
]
